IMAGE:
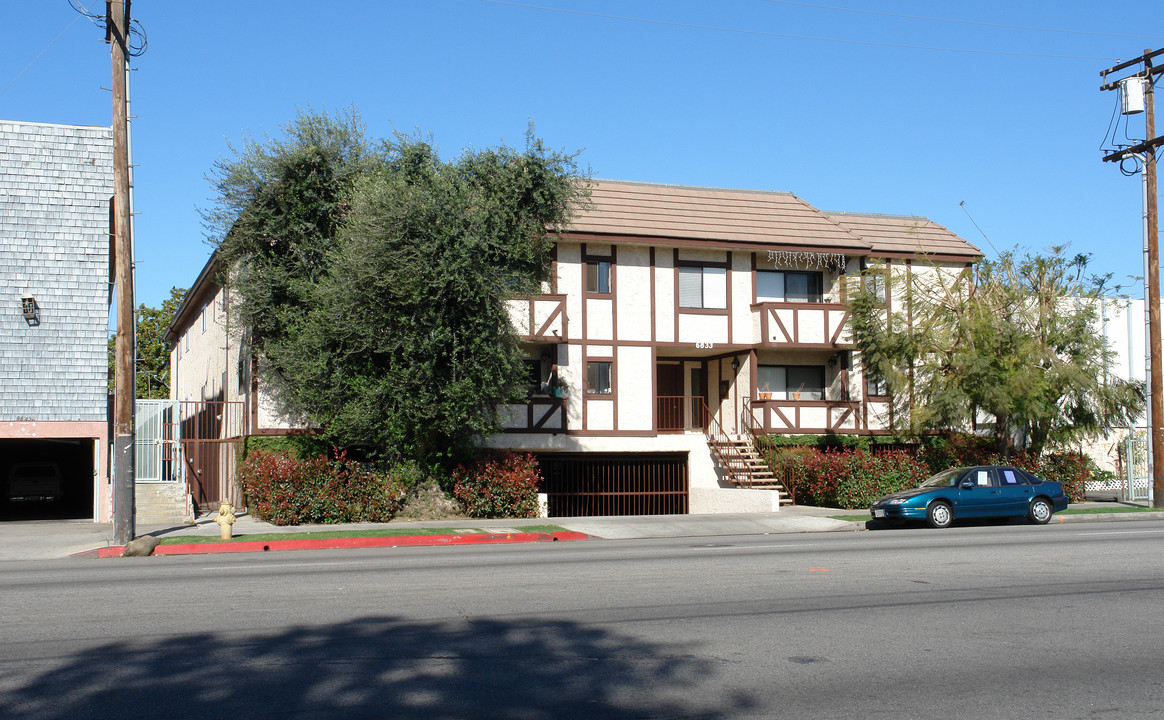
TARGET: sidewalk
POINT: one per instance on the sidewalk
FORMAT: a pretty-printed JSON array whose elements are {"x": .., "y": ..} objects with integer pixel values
[{"x": 48, "y": 539}]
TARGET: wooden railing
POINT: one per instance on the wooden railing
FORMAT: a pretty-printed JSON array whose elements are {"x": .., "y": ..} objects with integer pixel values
[
  {"x": 676, "y": 413},
  {"x": 803, "y": 416},
  {"x": 540, "y": 318},
  {"x": 541, "y": 414},
  {"x": 815, "y": 325}
]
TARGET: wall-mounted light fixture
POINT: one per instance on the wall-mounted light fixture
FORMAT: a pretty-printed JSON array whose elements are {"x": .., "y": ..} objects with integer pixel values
[
  {"x": 30, "y": 309},
  {"x": 735, "y": 364},
  {"x": 833, "y": 361}
]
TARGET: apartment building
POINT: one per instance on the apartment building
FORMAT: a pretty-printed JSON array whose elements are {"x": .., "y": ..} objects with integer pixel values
[
  {"x": 680, "y": 321},
  {"x": 677, "y": 323}
]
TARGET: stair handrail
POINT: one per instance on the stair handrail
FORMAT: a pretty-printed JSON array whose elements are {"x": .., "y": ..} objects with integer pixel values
[{"x": 725, "y": 451}]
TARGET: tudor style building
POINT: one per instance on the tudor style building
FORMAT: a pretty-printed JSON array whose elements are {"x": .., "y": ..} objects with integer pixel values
[
  {"x": 681, "y": 321},
  {"x": 678, "y": 322}
]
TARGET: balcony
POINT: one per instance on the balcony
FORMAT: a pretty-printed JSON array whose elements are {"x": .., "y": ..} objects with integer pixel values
[
  {"x": 809, "y": 417},
  {"x": 541, "y": 318},
  {"x": 540, "y": 414},
  {"x": 800, "y": 325}
]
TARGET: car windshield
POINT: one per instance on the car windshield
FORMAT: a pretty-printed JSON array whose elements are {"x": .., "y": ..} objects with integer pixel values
[{"x": 946, "y": 478}]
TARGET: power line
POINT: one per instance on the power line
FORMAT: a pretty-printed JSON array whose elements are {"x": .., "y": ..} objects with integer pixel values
[
  {"x": 762, "y": 33},
  {"x": 964, "y": 22},
  {"x": 963, "y": 206},
  {"x": 32, "y": 62}
]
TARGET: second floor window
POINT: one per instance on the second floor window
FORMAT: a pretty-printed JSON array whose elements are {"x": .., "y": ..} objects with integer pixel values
[
  {"x": 703, "y": 287},
  {"x": 876, "y": 276},
  {"x": 598, "y": 277},
  {"x": 788, "y": 286},
  {"x": 876, "y": 386}
]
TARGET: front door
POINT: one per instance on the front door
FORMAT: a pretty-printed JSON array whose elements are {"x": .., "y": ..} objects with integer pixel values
[{"x": 669, "y": 391}]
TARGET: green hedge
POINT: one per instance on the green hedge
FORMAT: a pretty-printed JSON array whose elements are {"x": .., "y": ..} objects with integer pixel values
[
  {"x": 820, "y": 470},
  {"x": 297, "y": 446}
]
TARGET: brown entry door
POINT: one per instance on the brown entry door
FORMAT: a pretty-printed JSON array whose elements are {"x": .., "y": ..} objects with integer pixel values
[{"x": 669, "y": 390}]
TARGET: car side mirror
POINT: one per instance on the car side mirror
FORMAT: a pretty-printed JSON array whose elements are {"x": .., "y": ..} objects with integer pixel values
[{"x": 968, "y": 484}]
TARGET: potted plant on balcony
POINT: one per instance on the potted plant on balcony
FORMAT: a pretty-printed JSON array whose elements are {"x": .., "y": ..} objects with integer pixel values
[
  {"x": 558, "y": 387},
  {"x": 796, "y": 392},
  {"x": 765, "y": 392}
]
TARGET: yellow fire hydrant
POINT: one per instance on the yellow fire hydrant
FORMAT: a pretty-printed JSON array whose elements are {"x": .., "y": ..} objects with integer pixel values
[{"x": 225, "y": 519}]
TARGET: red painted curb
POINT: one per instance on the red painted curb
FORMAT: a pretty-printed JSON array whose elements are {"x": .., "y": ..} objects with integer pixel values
[{"x": 337, "y": 543}]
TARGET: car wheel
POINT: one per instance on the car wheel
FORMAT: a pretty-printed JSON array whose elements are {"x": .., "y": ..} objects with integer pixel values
[
  {"x": 1040, "y": 511},
  {"x": 939, "y": 514}
]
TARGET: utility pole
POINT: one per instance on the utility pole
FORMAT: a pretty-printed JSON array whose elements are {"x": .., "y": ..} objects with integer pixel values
[
  {"x": 1146, "y": 153},
  {"x": 124, "y": 510}
]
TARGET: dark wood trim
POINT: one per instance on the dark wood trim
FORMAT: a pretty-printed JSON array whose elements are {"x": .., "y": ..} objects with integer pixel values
[{"x": 703, "y": 311}]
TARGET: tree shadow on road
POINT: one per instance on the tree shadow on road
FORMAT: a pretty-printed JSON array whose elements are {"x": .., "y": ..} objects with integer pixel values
[{"x": 377, "y": 667}]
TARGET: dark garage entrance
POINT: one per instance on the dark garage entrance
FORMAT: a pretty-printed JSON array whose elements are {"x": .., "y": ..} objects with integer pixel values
[
  {"x": 72, "y": 458},
  {"x": 587, "y": 484}
]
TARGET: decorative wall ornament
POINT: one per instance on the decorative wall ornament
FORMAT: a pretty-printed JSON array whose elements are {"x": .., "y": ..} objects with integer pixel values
[{"x": 807, "y": 258}]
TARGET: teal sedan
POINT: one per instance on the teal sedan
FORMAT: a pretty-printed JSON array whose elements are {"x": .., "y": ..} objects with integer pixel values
[{"x": 984, "y": 491}]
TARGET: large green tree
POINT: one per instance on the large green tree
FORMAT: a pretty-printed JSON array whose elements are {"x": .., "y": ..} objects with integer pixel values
[
  {"x": 374, "y": 277},
  {"x": 1017, "y": 340},
  {"x": 153, "y": 352}
]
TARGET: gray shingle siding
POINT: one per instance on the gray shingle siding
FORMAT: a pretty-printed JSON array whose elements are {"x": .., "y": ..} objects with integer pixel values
[{"x": 55, "y": 187}]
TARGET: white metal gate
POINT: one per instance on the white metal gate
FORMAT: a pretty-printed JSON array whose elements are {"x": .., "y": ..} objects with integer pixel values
[
  {"x": 1137, "y": 483},
  {"x": 158, "y": 447}
]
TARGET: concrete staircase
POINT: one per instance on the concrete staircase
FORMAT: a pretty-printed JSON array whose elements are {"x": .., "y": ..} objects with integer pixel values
[
  {"x": 747, "y": 469},
  {"x": 162, "y": 504}
]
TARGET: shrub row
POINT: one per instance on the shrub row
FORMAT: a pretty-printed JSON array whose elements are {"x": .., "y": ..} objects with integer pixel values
[
  {"x": 852, "y": 477},
  {"x": 499, "y": 485},
  {"x": 283, "y": 488}
]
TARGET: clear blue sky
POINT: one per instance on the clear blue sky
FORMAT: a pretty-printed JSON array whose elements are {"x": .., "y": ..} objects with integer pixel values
[{"x": 857, "y": 105}]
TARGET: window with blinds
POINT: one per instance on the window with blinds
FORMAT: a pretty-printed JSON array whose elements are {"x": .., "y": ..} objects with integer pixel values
[{"x": 703, "y": 287}]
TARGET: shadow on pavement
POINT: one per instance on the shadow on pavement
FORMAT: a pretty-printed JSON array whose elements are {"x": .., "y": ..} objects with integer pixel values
[{"x": 375, "y": 667}]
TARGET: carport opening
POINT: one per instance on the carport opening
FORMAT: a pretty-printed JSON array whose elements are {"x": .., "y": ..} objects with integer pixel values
[{"x": 28, "y": 472}]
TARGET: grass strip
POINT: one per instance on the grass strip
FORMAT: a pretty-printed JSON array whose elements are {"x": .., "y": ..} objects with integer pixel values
[
  {"x": 333, "y": 534},
  {"x": 1105, "y": 510},
  {"x": 1068, "y": 511}
]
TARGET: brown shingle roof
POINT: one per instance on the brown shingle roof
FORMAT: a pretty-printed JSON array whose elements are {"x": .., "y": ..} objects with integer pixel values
[
  {"x": 905, "y": 234},
  {"x": 716, "y": 214}
]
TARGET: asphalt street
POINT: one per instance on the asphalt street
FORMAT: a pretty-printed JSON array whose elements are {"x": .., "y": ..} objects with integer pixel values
[{"x": 1012, "y": 621}]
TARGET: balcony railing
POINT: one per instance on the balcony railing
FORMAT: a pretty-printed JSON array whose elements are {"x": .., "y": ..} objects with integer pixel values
[
  {"x": 802, "y": 416},
  {"x": 809, "y": 325},
  {"x": 678, "y": 413},
  {"x": 540, "y": 414},
  {"x": 541, "y": 318}
]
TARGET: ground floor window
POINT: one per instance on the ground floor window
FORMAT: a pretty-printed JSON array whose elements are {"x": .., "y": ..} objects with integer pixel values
[
  {"x": 792, "y": 382},
  {"x": 599, "y": 378}
]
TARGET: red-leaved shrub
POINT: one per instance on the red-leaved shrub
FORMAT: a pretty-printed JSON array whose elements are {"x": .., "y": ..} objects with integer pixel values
[
  {"x": 500, "y": 485},
  {"x": 853, "y": 478},
  {"x": 284, "y": 491}
]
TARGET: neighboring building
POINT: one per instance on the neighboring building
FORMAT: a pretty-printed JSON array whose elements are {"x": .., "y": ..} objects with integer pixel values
[
  {"x": 1123, "y": 451},
  {"x": 56, "y": 188},
  {"x": 678, "y": 321}
]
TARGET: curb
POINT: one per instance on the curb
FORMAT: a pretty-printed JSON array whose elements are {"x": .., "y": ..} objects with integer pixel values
[{"x": 338, "y": 543}]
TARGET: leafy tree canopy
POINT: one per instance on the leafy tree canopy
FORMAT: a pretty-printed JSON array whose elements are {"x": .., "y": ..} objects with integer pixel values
[
  {"x": 374, "y": 276},
  {"x": 153, "y": 352},
  {"x": 1018, "y": 340}
]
